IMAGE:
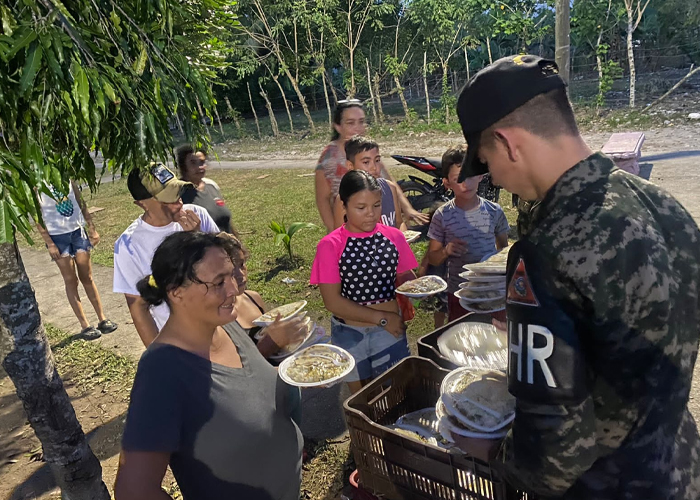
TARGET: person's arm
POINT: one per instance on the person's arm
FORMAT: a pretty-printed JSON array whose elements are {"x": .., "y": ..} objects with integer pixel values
[
  {"x": 501, "y": 229},
  {"x": 279, "y": 333},
  {"x": 93, "y": 235},
  {"x": 395, "y": 190},
  {"x": 338, "y": 213},
  {"x": 140, "y": 476},
  {"x": 50, "y": 245},
  {"x": 410, "y": 213},
  {"x": 143, "y": 321},
  {"x": 423, "y": 267},
  {"x": 501, "y": 241},
  {"x": 352, "y": 311},
  {"x": 323, "y": 200}
]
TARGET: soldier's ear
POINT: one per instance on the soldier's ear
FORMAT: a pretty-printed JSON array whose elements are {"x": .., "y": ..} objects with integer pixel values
[{"x": 505, "y": 140}]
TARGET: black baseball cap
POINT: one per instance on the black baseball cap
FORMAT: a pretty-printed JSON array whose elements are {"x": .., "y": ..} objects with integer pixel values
[
  {"x": 495, "y": 92},
  {"x": 156, "y": 181}
]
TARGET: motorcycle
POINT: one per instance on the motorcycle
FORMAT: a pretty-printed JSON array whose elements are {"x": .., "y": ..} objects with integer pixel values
[{"x": 424, "y": 195}]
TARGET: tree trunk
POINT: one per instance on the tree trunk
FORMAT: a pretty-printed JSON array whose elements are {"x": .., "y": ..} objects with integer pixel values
[
  {"x": 300, "y": 96},
  {"x": 257, "y": 123},
  {"x": 562, "y": 43},
  {"x": 353, "y": 89},
  {"x": 234, "y": 115},
  {"x": 445, "y": 89},
  {"x": 270, "y": 111},
  {"x": 399, "y": 89},
  {"x": 218, "y": 119},
  {"x": 466, "y": 62},
  {"x": 179, "y": 123},
  {"x": 325, "y": 95},
  {"x": 27, "y": 359},
  {"x": 488, "y": 47},
  {"x": 425, "y": 83},
  {"x": 378, "y": 96},
  {"x": 286, "y": 104},
  {"x": 202, "y": 116},
  {"x": 371, "y": 94},
  {"x": 630, "y": 57},
  {"x": 330, "y": 86}
]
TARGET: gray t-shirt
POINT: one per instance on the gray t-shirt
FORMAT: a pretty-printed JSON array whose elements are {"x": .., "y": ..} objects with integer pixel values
[
  {"x": 477, "y": 227},
  {"x": 229, "y": 431}
]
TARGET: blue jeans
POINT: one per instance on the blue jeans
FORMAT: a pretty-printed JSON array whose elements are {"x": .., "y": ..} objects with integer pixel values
[
  {"x": 71, "y": 243},
  {"x": 375, "y": 350}
]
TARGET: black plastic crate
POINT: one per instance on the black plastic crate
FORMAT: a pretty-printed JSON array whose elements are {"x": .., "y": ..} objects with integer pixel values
[
  {"x": 427, "y": 344},
  {"x": 399, "y": 468}
]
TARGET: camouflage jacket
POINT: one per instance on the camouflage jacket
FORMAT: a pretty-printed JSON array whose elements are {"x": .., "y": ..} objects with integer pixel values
[{"x": 603, "y": 322}]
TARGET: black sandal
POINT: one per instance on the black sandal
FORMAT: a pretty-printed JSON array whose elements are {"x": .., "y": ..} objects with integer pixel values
[
  {"x": 90, "y": 333},
  {"x": 107, "y": 326}
]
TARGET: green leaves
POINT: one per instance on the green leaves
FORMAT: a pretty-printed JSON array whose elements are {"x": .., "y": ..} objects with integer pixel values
[
  {"x": 284, "y": 235},
  {"x": 31, "y": 66}
]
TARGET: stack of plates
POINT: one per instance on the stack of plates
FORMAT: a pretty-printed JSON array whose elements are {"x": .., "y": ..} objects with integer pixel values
[
  {"x": 484, "y": 289},
  {"x": 475, "y": 403}
]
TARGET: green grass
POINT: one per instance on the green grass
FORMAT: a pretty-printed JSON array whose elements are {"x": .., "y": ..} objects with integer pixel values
[{"x": 88, "y": 364}]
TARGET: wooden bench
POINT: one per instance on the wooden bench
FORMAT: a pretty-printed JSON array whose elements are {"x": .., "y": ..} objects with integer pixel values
[{"x": 625, "y": 149}]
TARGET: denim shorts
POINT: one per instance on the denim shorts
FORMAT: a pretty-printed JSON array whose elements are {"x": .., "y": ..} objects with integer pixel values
[
  {"x": 375, "y": 350},
  {"x": 69, "y": 244}
]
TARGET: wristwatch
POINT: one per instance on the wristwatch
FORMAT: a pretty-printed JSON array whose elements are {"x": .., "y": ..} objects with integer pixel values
[{"x": 383, "y": 322}]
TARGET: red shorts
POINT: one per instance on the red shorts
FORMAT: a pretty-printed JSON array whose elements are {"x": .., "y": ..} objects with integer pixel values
[{"x": 454, "y": 310}]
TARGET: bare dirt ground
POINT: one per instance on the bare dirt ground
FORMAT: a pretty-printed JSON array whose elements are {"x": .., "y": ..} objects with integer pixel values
[{"x": 672, "y": 152}]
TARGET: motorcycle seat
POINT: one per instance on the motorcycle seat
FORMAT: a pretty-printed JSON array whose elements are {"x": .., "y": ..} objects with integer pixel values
[{"x": 435, "y": 162}]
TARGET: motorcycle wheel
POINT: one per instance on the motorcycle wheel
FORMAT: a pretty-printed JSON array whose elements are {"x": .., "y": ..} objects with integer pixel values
[{"x": 421, "y": 197}]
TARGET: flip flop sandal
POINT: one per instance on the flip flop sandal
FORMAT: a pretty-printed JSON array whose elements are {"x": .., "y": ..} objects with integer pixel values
[
  {"x": 107, "y": 326},
  {"x": 90, "y": 333}
]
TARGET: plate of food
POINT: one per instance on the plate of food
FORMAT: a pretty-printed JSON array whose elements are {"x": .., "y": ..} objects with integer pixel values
[
  {"x": 411, "y": 235},
  {"x": 486, "y": 267},
  {"x": 421, "y": 425},
  {"x": 422, "y": 287},
  {"x": 473, "y": 297},
  {"x": 491, "y": 306},
  {"x": 475, "y": 344},
  {"x": 317, "y": 365},
  {"x": 449, "y": 424},
  {"x": 287, "y": 311},
  {"x": 483, "y": 278},
  {"x": 478, "y": 398},
  {"x": 500, "y": 256}
]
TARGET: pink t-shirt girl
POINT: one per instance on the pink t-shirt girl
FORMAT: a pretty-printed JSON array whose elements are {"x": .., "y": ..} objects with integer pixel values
[{"x": 365, "y": 264}]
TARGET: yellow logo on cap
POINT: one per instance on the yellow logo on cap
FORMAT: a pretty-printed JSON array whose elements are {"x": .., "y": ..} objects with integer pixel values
[{"x": 518, "y": 60}]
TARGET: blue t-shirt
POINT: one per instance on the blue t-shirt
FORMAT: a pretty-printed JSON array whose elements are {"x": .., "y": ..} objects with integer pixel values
[{"x": 477, "y": 227}]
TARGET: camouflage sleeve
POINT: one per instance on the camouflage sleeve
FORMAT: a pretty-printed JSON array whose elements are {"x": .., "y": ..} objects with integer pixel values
[{"x": 550, "y": 447}]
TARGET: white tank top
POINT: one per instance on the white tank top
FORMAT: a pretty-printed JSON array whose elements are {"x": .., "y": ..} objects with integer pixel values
[{"x": 62, "y": 215}]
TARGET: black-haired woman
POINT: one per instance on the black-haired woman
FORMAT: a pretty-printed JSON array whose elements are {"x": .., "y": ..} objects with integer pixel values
[
  {"x": 206, "y": 193},
  {"x": 204, "y": 400},
  {"x": 348, "y": 121},
  {"x": 356, "y": 267}
]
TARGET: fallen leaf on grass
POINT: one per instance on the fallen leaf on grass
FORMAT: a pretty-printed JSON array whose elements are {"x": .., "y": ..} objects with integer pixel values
[{"x": 263, "y": 176}]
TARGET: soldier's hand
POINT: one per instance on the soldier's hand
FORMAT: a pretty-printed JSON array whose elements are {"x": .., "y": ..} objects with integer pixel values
[
  {"x": 481, "y": 449},
  {"x": 500, "y": 325}
]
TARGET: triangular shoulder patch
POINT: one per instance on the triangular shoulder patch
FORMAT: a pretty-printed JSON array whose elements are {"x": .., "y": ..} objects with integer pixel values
[{"x": 520, "y": 290}]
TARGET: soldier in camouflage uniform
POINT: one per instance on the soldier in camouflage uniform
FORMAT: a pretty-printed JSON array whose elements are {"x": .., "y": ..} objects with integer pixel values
[{"x": 602, "y": 301}]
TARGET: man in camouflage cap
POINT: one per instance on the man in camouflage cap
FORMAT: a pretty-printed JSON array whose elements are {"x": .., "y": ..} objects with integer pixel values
[{"x": 602, "y": 301}]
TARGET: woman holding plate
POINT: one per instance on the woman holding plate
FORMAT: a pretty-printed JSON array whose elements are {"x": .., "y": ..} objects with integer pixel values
[
  {"x": 201, "y": 380},
  {"x": 250, "y": 306}
]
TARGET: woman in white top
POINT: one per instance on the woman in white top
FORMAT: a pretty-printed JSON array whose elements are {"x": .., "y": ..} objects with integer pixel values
[{"x": 63, "y": 230}]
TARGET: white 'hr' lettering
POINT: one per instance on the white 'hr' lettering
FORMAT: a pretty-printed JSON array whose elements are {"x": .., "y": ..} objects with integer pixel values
[{"x": 539, "y": 354}]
